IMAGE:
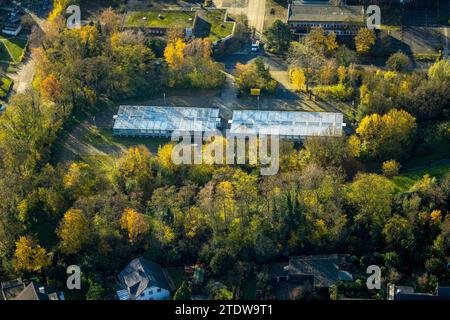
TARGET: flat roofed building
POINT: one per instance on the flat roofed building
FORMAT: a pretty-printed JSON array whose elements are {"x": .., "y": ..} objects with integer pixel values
[
  {"x": 291, "y": 125},
  {"x": 157, "y": 121},
  {"x": 342, "y": 20}
]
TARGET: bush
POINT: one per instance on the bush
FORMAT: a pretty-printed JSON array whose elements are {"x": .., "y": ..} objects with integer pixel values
[
  {"x": 399, "y": 62},
  {"x": 337, "y": 92},
  {"x": 391, "y": 168},
  {"x": 443, "y": 130}
]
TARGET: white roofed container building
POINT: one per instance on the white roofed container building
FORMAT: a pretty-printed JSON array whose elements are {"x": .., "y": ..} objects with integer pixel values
[
  {"x": 289, "y": 125},
  {"x": 161, "y": 121}
]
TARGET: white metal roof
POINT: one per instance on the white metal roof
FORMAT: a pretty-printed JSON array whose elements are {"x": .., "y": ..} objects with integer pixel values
[
  {"x": 166, "y": 118},
  {"x": 287, "y": 123}
]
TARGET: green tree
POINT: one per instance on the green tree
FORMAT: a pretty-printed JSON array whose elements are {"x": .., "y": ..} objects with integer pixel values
[
  {"x": 183, "y": 292},
  {"x": 399, "y": 62},
  {"x": 95, "y": 292},
  {"x": 278, "y": 36},
  {"x": 222, "y": 263}
]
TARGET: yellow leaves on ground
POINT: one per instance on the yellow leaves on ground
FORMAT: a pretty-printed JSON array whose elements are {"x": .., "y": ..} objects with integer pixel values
[
  {"x": 30, "y": 257},
  {"x": 134, "y": 223}
]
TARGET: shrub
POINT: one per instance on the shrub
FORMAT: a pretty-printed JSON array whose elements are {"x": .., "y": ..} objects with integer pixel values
[
  {"x": 391, "y": 168},
  {"x": 337, "y": 92},
  {"x": 443, "y": 130},
  {"x": 399, "y": 62}
]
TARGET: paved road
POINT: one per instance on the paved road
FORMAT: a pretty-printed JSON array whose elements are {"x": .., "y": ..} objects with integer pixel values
[{"x": 256, "y": 13}]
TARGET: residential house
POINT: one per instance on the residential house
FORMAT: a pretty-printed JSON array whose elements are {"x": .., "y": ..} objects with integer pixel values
[
  {"x": 16, "y": 290},
  {"x": 321, "y": 270},
  {"x": 144, "y": 280},
  {"x": 11, "y": 289}
]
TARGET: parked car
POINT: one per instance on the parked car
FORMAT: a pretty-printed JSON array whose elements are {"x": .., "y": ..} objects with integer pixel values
[{"x": 255, "y": 46}]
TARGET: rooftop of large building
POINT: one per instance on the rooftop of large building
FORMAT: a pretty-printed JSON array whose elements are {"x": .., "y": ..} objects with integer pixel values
[
  {"x": 164, "y": 118},
  {"x": 287, "y": 123},
  {"x": 320, "y": 12}
]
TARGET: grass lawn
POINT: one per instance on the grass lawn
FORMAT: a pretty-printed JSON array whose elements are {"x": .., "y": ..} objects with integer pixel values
[
  {"x": 4, "y": 55},
  {"x": 275, "y": 9},
  {"x": 5, "y": 86},
  {"x": 103, "y": 137},
  {"x": 16, "y": 47},
  {"x": 151, "y": 19},
  {"x": 407, "y": 179}
]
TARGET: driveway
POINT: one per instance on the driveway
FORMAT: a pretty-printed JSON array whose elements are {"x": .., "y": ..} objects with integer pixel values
[{"x": 256, "y": 13}]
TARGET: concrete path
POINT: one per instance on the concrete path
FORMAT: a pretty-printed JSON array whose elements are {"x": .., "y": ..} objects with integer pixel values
[{"x": 256, "y": 13}]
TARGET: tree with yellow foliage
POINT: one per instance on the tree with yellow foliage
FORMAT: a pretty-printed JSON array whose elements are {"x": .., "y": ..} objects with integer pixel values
[
  {"x": 387, "y": 136},
  {"x": 325, "y": 43},
  {"x": 174, "y": 52},
  {"x": 365, "y": 40},
  {"x": 342, "y": 74},
  {"x": 73, "y": 231},
  {"x": 30, "y": 256},
  {"x": 79, "y": 179},
  {"x": 165, "y": 156},
  {"x": 298, "y": 79},
  {"x": 134, "y": 224}
]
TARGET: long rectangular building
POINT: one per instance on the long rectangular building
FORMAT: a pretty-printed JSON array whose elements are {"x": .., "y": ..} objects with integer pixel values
[
  {"x": 290, "y": 125},
  {"x": 342, "y": 20},
  {"x": 161, "y": 121}
]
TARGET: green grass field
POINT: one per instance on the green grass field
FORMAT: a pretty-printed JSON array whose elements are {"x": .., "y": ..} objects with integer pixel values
[
  {"x": 5, "y": 86},
  {"x": 407, "y": 179}
]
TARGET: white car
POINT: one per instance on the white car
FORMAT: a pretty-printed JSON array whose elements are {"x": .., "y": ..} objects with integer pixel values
[{"x": 255, "y": 46}]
